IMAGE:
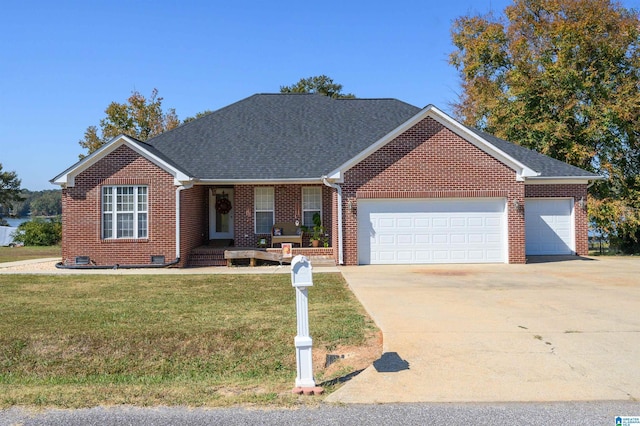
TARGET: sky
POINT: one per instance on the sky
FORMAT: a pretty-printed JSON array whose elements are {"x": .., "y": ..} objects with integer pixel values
[{"x": 63, "y": 62}]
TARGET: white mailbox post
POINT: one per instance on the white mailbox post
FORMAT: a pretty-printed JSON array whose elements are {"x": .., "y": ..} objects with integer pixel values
[{"x": 301, "y": 279}]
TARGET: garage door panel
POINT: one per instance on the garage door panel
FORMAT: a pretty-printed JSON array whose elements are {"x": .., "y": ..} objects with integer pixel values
[
  {"x": 386, "y": 255},
  {"x": 476, "y": 255},
  {"x": 494, "y": 255},
  {"x": 422, "y": 256},
  {"x": 492, "y": 221},
  {"x": 475, "y": 222},
  {"x": 458, "y": 222},
  {"x": 423, "y": 239},
  {"x": 458, "y": 238},
  {"x": 386, "y": 223},
  {"x": 440, "y": 222},
  {"x": 404, "y": 256},
  {"x": 386, "y": 239},
  {"x": 422, "y": 223},
  {"x": 440, "y": 231},
  {"x": 476, "y": 238},
  {"x": 404, "y": 239},
  {"x": 404, "y": 223},
  {"x": 460, "y": 255},
  {"x": 493, "y": 238},
  {"x": 440, "y": 239}
]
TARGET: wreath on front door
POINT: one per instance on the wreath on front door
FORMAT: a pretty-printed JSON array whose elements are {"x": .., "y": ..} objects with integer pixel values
[{"x": 223, "y": 205}]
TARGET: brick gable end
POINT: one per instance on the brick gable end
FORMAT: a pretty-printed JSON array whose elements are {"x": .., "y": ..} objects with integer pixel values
[
  {"x": 82, "y": 209},
  {"x": 430, "y": 161}
]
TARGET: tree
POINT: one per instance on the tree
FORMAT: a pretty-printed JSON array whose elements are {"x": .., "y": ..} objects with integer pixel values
[
  {"x": 139, "y": 117},
  {"x": 198, "y": 115},
  {"x": 9, "y": 190},
  {"x": 46, "y": 203},
  {"x": 320, "y": 84},
  {"x": 39, "y": 232},
  {"x": 561, "y": 77}
]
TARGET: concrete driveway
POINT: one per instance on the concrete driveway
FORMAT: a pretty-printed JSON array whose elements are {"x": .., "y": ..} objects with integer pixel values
[{"x": 555, "y": 331}]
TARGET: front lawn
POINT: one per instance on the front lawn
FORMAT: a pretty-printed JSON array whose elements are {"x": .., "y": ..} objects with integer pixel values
[
  {"x": 12, "y": 254},
  {"x": 196, "y": 340}
]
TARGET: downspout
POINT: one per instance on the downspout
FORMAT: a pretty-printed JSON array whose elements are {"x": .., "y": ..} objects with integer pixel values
[
  {"x": 339, "y": 192},
  {"x": 178, "y": 190}
]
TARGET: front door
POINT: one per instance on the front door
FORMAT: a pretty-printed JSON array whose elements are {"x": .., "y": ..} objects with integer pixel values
[{"x": 221, "y": 214}]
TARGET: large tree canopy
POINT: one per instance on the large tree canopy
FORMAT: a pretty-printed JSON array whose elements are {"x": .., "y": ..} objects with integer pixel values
[
  {"x": 139, "y": 117},
  {"x": 561, "y": 77},
  {"x": 319, "y": 84},
  {"x": 9, "y": 190}
]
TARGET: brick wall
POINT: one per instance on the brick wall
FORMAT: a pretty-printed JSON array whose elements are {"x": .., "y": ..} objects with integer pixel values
[
  {"x": 288, "y": 208},
  {"x": 577, "y": 192},
  {"x": 430, "y": 161},
  {"x": 81, "y": 212},
  {"x": 194, "y": 220}
]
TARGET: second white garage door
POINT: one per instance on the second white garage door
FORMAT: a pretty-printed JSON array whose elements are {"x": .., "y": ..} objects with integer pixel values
[
  {"x": 414, "y": 231},
  {"x": 549, "y": 226}
]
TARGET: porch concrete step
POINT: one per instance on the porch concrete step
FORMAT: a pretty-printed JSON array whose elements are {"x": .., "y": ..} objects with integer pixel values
[{"x": 206, "y": 257}]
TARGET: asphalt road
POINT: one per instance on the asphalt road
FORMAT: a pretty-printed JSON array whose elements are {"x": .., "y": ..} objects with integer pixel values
[{"x": 565, "y": 413}]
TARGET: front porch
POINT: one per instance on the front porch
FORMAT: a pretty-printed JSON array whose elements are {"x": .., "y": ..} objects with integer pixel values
[{"x": 213, "y": 255}]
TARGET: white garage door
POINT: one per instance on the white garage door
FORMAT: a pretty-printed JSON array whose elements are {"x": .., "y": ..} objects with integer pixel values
[
  {"x": 549, "y": 226},
  {"x": 395, "y": 231}
]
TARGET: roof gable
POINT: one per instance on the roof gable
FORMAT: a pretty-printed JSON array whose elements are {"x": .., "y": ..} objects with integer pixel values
[
  {"x": 522, "y": 170},
  {"x": 527, "y": 164},
  {"x": 67, "y": 178}
]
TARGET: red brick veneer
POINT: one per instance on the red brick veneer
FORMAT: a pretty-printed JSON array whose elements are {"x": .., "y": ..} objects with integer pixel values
[
  {"x": 288, "y": 208},
  {"x": 81, "y": 213},
  {"x": 430, "y": 161}
]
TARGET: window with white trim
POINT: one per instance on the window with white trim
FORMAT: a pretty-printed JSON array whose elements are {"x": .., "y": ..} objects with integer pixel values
[
  {"x": 311, "y": 204},
  {"x": 124, "y": 212},
  {"x": 264, "y": 209}
]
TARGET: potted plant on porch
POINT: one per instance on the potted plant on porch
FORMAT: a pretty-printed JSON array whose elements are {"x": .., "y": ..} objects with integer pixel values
[{"x": 317, "y": 232}]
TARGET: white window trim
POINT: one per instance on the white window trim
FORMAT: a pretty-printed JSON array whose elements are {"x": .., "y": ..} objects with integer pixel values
[
  {"x": 114, "y": 212},
  {"x": 311, "y": 210},
  {"x": 256, "y": 210}
]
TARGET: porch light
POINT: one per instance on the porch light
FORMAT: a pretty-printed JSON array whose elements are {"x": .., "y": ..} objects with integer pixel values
[{"x": 518, "y": 205}]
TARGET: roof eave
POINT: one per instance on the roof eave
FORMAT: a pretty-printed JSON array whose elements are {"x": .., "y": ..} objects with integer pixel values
[
  {"x": 567, "y": 180},
  {"x": 272, "y": 181},
  {"x": 67, "y": 178}
]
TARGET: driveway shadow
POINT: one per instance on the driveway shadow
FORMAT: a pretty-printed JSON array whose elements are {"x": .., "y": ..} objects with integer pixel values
[
  {"x": 560, "y": 258},
  {"x": 390, "y": 362}
]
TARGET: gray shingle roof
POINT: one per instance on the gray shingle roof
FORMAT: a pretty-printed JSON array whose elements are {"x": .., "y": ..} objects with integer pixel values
[
  {"x": 302, "y": 136},
  {"x": 280, "y": 136},
  {"x": 547, "y": 167}
]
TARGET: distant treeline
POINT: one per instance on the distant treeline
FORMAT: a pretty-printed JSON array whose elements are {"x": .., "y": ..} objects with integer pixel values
[{"x": 34, "y": 203}]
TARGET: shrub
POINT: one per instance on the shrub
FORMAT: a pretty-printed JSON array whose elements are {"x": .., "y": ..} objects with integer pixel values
[{"x": 39, "y": 232}]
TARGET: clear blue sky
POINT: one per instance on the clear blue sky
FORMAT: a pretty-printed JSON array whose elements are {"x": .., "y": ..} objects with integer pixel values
[{"x": 62, "y": 62}]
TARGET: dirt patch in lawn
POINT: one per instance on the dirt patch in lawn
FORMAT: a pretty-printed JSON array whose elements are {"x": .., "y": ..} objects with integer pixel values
[{"x": 345, "y": 362}]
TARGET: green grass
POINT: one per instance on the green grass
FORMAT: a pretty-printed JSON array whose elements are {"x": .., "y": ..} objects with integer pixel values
[
  {"x": 12, "y": 254},
  {"x": 77, "y": 341}
]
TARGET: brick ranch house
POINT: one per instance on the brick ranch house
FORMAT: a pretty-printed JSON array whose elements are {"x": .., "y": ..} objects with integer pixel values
[{"x": 392, "y": 183}]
